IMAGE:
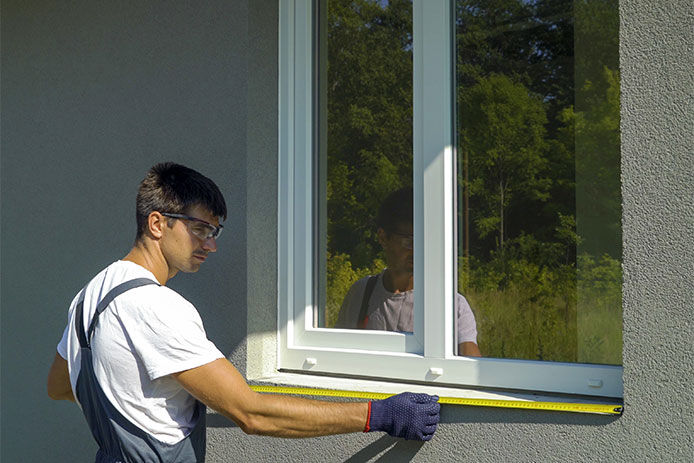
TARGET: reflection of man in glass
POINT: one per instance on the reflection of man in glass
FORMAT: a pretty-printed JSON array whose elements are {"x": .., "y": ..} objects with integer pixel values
[{"x": 386, "y": 301}]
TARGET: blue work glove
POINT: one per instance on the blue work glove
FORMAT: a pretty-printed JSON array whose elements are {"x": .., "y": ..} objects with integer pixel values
[{"x": 407, "y": 415}]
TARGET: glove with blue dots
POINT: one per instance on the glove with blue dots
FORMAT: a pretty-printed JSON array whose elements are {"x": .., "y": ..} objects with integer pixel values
[{"x": 407, "y": 415}]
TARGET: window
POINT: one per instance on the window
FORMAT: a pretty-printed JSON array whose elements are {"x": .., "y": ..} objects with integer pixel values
[{"x": 473, "y": 106}]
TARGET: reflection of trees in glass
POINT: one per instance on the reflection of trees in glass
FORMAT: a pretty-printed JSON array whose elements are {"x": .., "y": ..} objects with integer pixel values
[
  {"x": 504, "y": 140},
  {"x": 538, "y": 110},
  {"x": 369, "y": 130},
  {"x": 369, "y": 116},
  {"x": 538, "y": 101}
]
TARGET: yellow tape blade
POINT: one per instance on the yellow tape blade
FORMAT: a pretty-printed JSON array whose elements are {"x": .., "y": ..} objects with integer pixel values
[{"x": 605, "y": 409}]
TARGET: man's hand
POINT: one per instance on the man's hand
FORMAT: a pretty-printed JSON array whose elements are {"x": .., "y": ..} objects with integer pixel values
[{"x": 407, "y": 415}]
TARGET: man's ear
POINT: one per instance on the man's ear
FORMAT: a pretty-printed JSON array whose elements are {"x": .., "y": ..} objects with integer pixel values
[
  {"x": 155, "y": 224},
  {"x": 382, "y": 236}
]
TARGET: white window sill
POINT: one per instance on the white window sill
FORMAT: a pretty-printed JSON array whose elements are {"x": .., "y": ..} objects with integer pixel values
[{"x": 362, "y": 385}]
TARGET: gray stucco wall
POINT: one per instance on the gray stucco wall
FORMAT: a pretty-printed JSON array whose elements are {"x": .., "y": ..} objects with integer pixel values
[{"x": 94, "y": 93}]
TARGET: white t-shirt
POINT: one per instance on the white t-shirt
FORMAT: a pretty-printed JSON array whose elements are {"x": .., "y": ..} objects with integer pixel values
[
  {"x": 395, "y": 311},
  {"x": 143, "y": 336}
]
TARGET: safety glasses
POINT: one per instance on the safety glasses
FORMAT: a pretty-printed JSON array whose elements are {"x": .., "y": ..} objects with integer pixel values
[
  {"x": 198, "y": 227},
  {"x": 405, "y": 240}
]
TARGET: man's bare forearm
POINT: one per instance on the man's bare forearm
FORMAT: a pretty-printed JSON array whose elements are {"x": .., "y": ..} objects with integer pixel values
[
  {"x": 221, "y": 387},
  {"x": 283, "y": 416},
  {"x": 58, "y": 383}
]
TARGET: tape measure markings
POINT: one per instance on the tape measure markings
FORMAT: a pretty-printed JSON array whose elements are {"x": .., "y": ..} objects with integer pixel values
[{"x": 605, "y": 409}]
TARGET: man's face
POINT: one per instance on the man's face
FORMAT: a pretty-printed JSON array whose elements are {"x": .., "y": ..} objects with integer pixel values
[
  {"x": 182, "y": 247},
  {"x": 398, "y": 247}
]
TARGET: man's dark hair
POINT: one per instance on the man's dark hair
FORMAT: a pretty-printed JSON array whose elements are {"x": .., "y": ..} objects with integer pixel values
[
  {"x": 173, "y": 188},
  {"x": 395, "y": 210}
]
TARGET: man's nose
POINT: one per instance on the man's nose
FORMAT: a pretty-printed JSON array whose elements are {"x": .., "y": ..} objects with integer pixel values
[{"x": 210, "y": 245}]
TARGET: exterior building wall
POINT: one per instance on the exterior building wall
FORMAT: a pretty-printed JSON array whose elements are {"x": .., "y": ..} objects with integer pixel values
[{"x": 94, "y": 93}]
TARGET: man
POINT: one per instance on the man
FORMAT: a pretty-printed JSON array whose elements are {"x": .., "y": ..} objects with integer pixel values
[
  {"x": 136, "y": 359},
  {"x": 386, "y": 301}
]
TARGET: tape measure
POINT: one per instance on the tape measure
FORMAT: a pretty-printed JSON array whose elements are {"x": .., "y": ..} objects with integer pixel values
[{"x": 603, "y": 409}]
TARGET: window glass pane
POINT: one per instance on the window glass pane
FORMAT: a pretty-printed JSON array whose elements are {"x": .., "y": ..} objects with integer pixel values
[
  {"x": 539, "y": 205},
  {"x": 364, "y": 157}
]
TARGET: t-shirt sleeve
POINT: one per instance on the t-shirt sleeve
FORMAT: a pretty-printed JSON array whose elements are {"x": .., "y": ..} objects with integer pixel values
[
  {"x": 467, "y": 326},
  {"x": 167, "y": 334},
  {"x": 62, "y": 345}
]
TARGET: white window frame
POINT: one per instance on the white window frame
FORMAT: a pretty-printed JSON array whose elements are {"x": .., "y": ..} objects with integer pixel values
[{"x": 426, "y": 356}]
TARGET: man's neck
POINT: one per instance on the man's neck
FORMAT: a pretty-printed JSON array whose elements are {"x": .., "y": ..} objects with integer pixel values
[
  {"x": 148, "y": 256},
  {"x": 398, "y": 282}
]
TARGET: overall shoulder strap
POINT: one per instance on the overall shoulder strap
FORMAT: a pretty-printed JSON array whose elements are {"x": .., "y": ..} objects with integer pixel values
[
  {"x": 370, "y": 285},
  {"x": 110, "y": 296},
  {"x": 78, "y": 320}
]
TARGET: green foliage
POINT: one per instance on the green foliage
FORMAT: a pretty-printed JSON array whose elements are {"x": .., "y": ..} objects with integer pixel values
[
  {"x": 541, "y": 312},
  {"x": 598, "y": 160},
  {"x": 369, "y": 117},
  {"x": 524, "y": 304},
  {"x": 531, "y": 42},
  {"x": 503, "y": 135}
]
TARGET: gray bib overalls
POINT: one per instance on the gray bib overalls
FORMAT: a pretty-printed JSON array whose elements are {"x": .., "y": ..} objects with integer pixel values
[{"x": 119, "y": 440}]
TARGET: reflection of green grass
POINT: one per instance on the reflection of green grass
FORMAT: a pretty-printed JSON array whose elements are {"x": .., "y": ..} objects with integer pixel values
[
  {"x": 600, "y": 333},
  {"x": 599, "y": 311},
  {"x": 538, "y": 316},
  {"x": 528, "y": 312},
  {"x": 512, "y": 323}
]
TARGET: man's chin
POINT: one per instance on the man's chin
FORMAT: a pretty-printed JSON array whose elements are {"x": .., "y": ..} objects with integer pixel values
[{"x": 191, "y": 269}]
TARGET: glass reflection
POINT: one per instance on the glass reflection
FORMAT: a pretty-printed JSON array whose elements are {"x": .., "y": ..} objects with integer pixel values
[
  {"x": 365, "y": 80},
  {"x": 385, "y": 301},
  {"x": 539, "y": 177}
]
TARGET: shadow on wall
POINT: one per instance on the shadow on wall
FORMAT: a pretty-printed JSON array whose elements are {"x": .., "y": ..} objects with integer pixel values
[{"x": 386, "y": 448}]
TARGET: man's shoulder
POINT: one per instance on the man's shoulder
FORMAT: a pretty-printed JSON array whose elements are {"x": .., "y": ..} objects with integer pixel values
[
  {"x": 358, "y": 287},
  {"x": 120, "y": 271},
  {"x": 351, "y": 303},
  {"x": 363, "y": 281},
  {"x": 156, "y": 296},
  {"x": 461, "y": 303},
  {"x": 154, "y": 306},
  {"x": 148, "y": 295},
  {"x": 460, "y": 298}
]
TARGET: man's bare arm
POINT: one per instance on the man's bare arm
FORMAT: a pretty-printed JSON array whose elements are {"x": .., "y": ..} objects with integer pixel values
[
  {"x": 58, "y": 383},
  {"x": 220, "y": 386},
  {"x": 469, "y": 349}
]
